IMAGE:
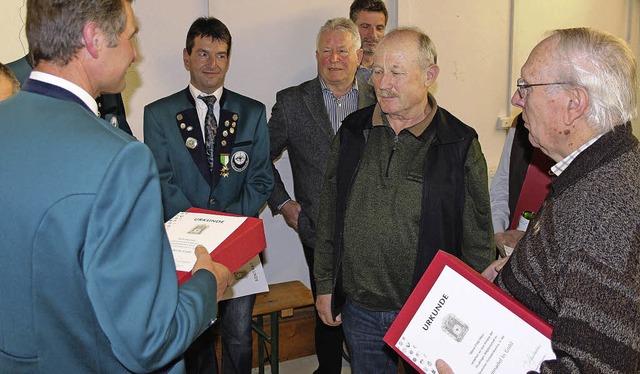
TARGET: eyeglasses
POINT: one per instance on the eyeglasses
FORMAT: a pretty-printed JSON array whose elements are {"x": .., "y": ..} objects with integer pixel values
[{"x": 522, "y": 86}]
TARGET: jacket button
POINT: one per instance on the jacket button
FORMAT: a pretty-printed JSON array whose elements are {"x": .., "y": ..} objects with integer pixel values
[{"x": 212, "y": 201}]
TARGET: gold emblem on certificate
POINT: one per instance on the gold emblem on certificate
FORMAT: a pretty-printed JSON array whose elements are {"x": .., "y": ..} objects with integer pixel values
[{"x": 224, "y": 160}]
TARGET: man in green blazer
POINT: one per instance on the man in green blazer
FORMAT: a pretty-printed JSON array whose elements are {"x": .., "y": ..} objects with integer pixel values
[
  {"x": 110, "y": 105},
  {"x": 87, "y": 278},
  {"x": 212, "y": 150}
]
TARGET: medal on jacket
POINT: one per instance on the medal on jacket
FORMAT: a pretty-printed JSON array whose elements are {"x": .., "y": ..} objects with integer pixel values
[{"x": 224, "y": 160}]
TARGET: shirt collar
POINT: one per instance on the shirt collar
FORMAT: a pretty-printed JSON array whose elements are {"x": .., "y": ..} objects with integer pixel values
[
  {"x": 354, "y": 86},
  {"x": 196, "y": 92},
  {"x": 416, "y": 129},
  {"x": 562, "y": 165},
  {"x": 69, "y": 86}
]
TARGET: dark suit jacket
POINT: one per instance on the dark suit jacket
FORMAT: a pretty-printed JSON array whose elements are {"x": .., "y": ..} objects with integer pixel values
[
  {"x": 87, "y": 277},
  {"x": 172, "y": 131},
  {"x": 299, "y": 122},
  {"x": 110, "y": 105}
]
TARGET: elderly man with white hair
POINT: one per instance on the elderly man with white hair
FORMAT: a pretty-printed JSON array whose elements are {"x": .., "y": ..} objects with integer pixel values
[{"x": 578, "y": 264}]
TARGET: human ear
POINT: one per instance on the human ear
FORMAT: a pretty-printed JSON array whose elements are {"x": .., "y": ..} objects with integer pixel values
[
  {"x": 431, "y": 75},
  {"x": 185, "y": 58},
  {"x": 577, "y": 104},
  {"x": 91, "y": 35}
]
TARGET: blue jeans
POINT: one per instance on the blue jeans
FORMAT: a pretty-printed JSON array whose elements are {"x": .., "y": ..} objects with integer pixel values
[
  {"x": 235, "y": 326},
  {"x": 364, "y": 330}
]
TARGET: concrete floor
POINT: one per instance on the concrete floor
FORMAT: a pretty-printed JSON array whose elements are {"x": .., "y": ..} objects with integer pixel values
[{"x": 303, "y": 365}]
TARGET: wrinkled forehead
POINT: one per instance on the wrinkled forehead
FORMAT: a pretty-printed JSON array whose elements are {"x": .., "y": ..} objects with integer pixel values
[{"x": 541, "y": 62}]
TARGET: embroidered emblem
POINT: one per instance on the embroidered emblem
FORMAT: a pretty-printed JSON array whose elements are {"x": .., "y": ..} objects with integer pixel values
[{"x": 239, "y": 161}]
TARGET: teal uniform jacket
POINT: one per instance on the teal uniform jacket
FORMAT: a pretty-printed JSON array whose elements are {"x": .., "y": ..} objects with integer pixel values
[
  {"x": 242, "y": 177},
  {"x": 111, "y": 106},
  {"x": 87, "y": 278}
]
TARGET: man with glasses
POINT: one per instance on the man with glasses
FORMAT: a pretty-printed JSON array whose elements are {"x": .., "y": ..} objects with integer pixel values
[{"x": 578, "y": 265}]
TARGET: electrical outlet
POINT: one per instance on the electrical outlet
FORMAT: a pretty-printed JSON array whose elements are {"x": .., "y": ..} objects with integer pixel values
[{"x": 504, "y": 122}]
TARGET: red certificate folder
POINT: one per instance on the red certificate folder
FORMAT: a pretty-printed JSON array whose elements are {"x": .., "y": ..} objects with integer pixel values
[
  {"x": 439, "y": 324},
  {"x": 238, "y": 248}
]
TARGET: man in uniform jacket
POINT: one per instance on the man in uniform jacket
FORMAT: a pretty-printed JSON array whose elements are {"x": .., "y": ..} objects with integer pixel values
[
  {"x": 87, "y": 277},
  {"x": 212, "y": 150},
  {"x": 304, "y": 121},
  {"x": 110, "y": 106}
]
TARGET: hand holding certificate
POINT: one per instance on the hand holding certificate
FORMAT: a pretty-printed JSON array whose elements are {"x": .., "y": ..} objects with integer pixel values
[
  {"x": 231, "y": 240},
  {"x": 456, "y": 315}
]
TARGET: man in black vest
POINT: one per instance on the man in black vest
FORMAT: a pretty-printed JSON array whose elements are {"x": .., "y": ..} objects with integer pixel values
[{"x": 404, "y": 179}]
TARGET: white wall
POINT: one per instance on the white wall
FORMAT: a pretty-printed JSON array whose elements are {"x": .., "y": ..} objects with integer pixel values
[
  {"x": 14, "y": 41},
  {"x": 481, "y": 46}
]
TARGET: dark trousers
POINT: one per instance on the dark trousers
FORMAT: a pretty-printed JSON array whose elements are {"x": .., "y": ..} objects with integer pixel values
[
  {"x": 200, "y": 357},
  {"x": 234, "y": 317},
  {"x": 329, "y": 339}
]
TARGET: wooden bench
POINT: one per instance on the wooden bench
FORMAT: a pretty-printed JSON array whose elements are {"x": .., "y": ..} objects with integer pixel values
[{"x": 280, "y": 301}]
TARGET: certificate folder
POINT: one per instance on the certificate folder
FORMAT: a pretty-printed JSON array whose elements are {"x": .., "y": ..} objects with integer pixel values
[
  {"x": 457, "y": 315},
  {"x": 237, "y": 249}
]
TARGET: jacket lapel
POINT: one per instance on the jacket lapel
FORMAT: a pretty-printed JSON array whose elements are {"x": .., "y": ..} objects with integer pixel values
[
  {"x": 313, "y": 99},
  {"x": 190, "y": 130}
]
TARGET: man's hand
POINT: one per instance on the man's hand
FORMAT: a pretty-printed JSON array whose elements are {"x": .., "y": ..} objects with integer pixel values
[
  {"x": 323, "y": 306},
  {"x": 443, "y": 368},
  {"x": 290, "y": 211},
  {"x": 509, "y": 238},
  {"x": 221, "y": 272},
  {"x": 492, "y": 271}
]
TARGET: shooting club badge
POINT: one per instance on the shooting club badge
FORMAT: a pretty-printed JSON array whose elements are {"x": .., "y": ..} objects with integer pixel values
[
  {"x": 224, "y": 160},
  {"x": 191, "y": 143},
  {"x": 239, "y": 161}
]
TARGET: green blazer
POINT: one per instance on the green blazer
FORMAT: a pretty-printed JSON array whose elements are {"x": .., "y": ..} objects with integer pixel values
[
  {"x": 111, "y": 106},
  {"x": 242, "y": 177},
  {"x": 87, "y": 278}
]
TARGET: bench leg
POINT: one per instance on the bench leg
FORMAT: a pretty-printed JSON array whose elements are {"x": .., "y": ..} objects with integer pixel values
[{"x": 274, "y": 343}]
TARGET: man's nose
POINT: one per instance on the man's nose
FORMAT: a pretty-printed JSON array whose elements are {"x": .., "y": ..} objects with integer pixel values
[{"x": 517, "y": 100}]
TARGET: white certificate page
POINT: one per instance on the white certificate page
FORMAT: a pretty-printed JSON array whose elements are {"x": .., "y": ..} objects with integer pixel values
[
  {"x": 472, "y": 332},
  {"x": 249, "y": 280},
  {"x": 186, "y": 230}
]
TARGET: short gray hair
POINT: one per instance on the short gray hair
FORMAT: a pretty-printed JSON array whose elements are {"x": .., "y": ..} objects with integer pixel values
[
  {"x": 427, "y": 54},
  {"x": 605, "y": 66},
  {"x": 343, "y": 25},
  {"x": 54, "y": 28}
]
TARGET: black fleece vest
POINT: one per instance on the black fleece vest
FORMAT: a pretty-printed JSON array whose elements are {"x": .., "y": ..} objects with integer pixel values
[{"x": 442, "y": 193}]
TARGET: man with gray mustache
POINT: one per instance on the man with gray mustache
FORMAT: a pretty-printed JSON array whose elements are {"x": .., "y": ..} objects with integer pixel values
[{"x": 404, "y": 179}]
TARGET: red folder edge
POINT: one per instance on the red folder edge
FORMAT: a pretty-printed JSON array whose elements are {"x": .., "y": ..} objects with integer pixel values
[
  {"x": 249, "y": 234},
  {"x": 425, "y": 284}
]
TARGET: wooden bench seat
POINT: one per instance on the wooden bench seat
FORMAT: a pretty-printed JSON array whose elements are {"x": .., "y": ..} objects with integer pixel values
[{"x": 280, "y": 301}]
